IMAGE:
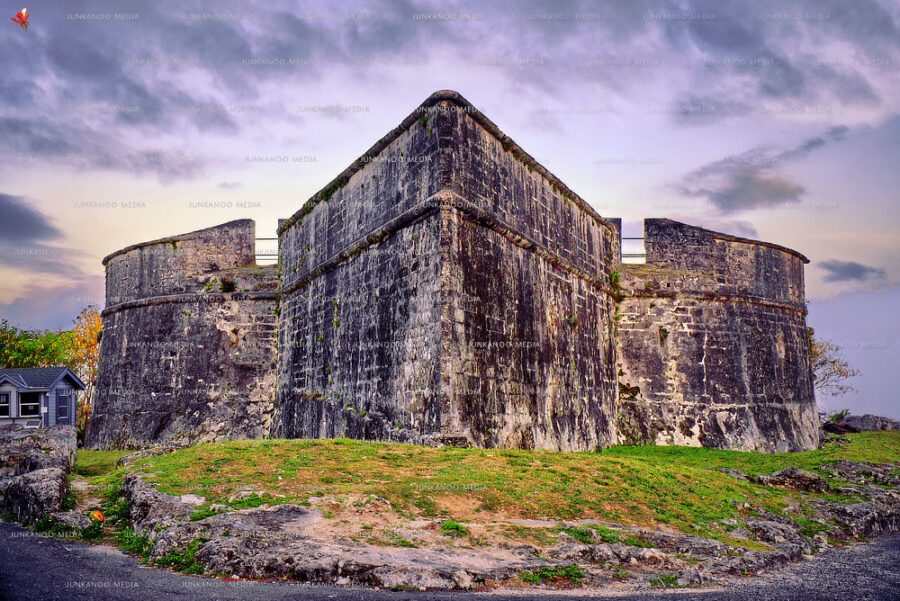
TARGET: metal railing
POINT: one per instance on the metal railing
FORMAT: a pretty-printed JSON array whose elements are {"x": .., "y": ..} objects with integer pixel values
[
  {"x": 266, "y": 256},
  {"x": 638, "y": 257}
]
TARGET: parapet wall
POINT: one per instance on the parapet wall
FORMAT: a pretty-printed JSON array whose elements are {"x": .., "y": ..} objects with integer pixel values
[
  {"x": 176, "y": 264},
  {"x": 189, "y": 341},
  {"x": 713, "y": 346},
  {"x": 739, "y": 266}
]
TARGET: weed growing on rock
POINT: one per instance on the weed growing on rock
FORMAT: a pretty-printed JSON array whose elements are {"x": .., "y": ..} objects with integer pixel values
[
  {"x": 134, "y": 544},
  {"x": 184, "y": 561},
  {"x": 558, "y": 575}
]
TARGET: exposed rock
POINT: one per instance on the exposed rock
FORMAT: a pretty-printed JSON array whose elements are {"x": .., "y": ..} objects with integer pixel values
[
  {"x": 839, "y": 428},
  {"x": 690, "y": 578},
  {"x": 774, "y": 532},
  {"x": 72, "y": 520},
  {"x": 155, "y": 450},
  {"x": 570, "y": 551},
  {"x": 28, "y": 449},
  {"x": 733, "y": 473},
  {"x": 825, "y": 439},
  {"x": 683, "y": 544},
  {"x": 150, "y": 508},
  {"x": 463, "y": 580},
  {"x": 872, "y": 422},
  {"x": 33, "y": 495},
  {"x": 881, "y": 515},
  {"x": 795, "y": 479},
  {"x": 751, "y": 562},
  {"x": 883, "y": 473},
  {"x": 40, "y": 460},
  {"x": 35, "y": 479}
]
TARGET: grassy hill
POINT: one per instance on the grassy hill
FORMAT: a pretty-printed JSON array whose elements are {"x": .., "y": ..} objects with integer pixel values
[{"x": 675, "y": 488}]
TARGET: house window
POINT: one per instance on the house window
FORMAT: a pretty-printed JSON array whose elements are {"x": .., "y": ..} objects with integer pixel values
[
  {"x": 29, "y": 405},
  {"x": 62, "y": 406},
  {"x": 4, "y": 404}
]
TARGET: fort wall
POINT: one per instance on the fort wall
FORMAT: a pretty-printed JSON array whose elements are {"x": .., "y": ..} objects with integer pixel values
[
  {"x": 713, "y": 348},
  {"x": 431, "y": 298},
  {"x": 189, "y": 341},
  {"x": 446, "y": 288}
]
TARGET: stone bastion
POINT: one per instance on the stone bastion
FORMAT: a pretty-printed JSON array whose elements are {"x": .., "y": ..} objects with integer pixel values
[
  {"x": 189, "y": 341},
  {"x": 713, "y": 344}
]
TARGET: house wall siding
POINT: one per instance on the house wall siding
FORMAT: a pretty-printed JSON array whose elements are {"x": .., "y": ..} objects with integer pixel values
[{"x": 50, "y": 400}]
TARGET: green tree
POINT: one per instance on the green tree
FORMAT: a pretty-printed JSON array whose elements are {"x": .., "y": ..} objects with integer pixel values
[{"x": 35, "y": 348}]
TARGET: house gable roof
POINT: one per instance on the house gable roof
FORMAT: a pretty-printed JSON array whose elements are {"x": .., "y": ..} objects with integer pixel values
[
  {"x": 11, "y": 379},
  {"x": 39, "y": 377}
]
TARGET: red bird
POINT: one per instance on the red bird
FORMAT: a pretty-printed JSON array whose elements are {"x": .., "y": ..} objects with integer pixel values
[{"x": 21, "y": 18}]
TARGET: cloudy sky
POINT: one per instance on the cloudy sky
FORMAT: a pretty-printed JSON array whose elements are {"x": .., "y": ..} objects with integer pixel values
[{"x": 122, "y": 122}]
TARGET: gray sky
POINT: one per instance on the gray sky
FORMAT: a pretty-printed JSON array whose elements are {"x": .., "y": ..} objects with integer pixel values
[{"x": 123, "y": 122}]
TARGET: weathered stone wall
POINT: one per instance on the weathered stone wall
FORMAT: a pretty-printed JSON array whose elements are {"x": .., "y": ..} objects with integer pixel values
[
  {"x": 527, "y": 340},
  {"x": 173, "y": 265},
  {"x": 713, "y": 344},
  {"x": 359, "y": 333},
  {"x": 446, "y": 288},
  {"x": 189, "y": 341}
]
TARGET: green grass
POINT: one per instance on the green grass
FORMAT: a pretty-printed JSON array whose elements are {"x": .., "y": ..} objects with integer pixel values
[
  {"x": 134, "y": 543},
  {"x": 97, "y": 463},
  {"x": 454, "y": 529},
  {"x": 252, "y": 500},
  {"x": 641, "y": 486},
  {"x": 184, "y": 560},
  {"x": 201, "y": 514},
  {"x": 607, "y": 535},
  {"x": 582, "y": 535},
  {"x": 875, "y": 447},
  {"x": 665, "y": 581},
  {"x": 572, "y": 574}
]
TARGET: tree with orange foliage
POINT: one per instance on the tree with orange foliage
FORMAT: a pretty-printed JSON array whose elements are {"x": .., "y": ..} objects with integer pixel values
[
  {"x": 830, "y": 370},
  {"x": 85, "y": 347}
]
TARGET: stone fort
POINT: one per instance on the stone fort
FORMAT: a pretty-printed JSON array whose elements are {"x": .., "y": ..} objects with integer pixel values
[{"x": 447, "y": 289}]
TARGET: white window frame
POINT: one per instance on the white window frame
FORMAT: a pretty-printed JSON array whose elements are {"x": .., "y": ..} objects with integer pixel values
[
  {"x": 37, "y": 414},
  {"x": 7, "y": 402}
]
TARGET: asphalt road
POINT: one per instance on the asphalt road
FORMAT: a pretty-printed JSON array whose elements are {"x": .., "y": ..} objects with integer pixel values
[{"x": 34, "y": 568}]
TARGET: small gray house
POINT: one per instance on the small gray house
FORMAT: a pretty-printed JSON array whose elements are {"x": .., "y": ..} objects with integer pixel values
[{"x": 38, "y": 397}]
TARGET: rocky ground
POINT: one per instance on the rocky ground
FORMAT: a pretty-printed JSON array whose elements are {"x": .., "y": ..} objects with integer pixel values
[
  {"x": 361, "y": 539},
  {"x": 34, "y": 470},
  {"x": 355, "y": 545}
]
